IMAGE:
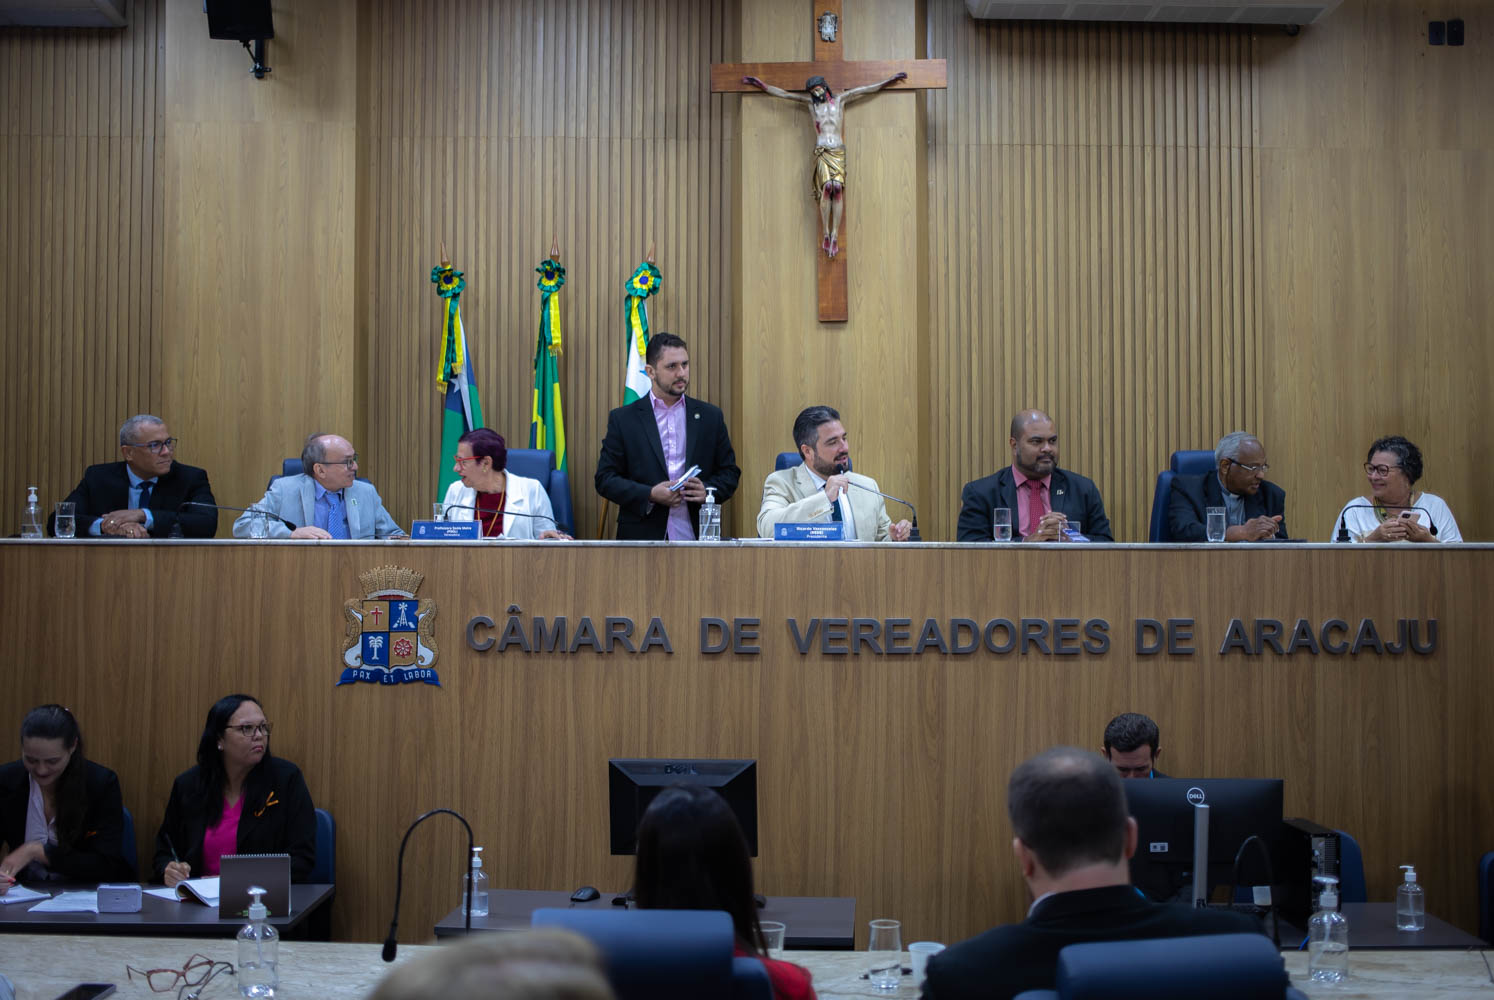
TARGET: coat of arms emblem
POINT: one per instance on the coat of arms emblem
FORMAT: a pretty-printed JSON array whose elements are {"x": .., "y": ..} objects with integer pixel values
[{"x": 389, "y": 635}]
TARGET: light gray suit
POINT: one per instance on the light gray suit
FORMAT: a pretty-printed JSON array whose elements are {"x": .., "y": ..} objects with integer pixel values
[
  {"x": 294, "y": 498},
  {"x": 792, "y": 495}
]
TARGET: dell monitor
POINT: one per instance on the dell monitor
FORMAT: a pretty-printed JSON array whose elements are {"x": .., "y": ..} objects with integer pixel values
[
  {"x": 632, "y": 785},
  {"x": 1164, "y": 810}
]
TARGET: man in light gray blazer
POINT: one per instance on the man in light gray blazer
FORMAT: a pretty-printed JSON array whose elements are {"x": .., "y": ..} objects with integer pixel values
[{"x": 326, "y": 500}]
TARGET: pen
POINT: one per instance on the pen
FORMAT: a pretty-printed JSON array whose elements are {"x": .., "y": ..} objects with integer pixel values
[{"x": 171, "y": 847}]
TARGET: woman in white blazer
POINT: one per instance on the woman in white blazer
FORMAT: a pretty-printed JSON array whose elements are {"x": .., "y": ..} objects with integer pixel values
[{"x": 506, "y": 504}]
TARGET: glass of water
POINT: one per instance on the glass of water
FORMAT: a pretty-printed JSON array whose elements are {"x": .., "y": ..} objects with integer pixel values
[
  {"x": 66, "y": 524},
  {"x": 439, "y": 511},
  {"x": 1001, "y": 524},
  {"x": 1214, "y": 526},
  {"x": 773, "y": 937},
  {"x": 259, "y": 525},
  {"x": 885, "y": 949}
]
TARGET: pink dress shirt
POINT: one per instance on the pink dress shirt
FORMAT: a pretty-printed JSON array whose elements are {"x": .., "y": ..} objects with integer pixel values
[
  {"x": 1027, "y": 518},
  {"x": 223, "y": 838},
  {"x": 670, "y": 419}
]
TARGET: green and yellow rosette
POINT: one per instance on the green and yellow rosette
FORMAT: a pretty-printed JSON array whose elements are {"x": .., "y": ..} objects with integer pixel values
[
  {"x": 449, "y": 284},
  {"x": 646, "y": 281}
]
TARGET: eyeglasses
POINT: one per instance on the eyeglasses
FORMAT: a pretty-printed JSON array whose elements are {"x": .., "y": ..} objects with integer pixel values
[
  {"x": 251, "y": 731},
  {"x": 198, "y": 970},
  {"x": 350, "y": 461},
  {"x": 1379, "y": 470},
  {"x": 1252, "y": 469},
  {"x": 461, "y": 463},
  {"x": 155, "y": 446}
]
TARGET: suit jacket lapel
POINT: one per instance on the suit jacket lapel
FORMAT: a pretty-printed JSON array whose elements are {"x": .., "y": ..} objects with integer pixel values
[
  {"x": 692, "y": 412},
  {"x": 1006, "y": 492},
  {"x": 119, "y": 489},
  {"x": 649, "y": 428},
  {"x": 308, "y": 502},
  {"x": 1058, "y": 493},
  {"x": 350, "y": 507}
]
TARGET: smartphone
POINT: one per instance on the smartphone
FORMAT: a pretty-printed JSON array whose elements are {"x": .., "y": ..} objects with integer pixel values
[
  {"x": 88, "y": 991},
  {"x": 1411, "y": 515},
  {"x": 689, "y": 474}
]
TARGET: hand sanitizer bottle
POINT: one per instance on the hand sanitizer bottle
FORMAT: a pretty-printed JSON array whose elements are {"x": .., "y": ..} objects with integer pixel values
[
  {"x": 259, "y": 944},
  {"x": 710, "y": 517},
  {"x": 31, "y": 522},
  {"x": 1410, "y": 903},
  {"x": 479, "y": 886},
  {"x": 1328, "y": 936}
]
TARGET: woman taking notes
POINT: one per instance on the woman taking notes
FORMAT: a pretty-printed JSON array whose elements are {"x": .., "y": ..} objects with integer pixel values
[
  {"x": 237, "y": 800},
  {"x": 61, "y": 816}
]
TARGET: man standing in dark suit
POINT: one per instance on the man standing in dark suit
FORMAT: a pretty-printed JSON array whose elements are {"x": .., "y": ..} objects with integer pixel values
[
  {"x": 1254, "y": 509},
  {"x": 1040, "y": 495},
  {"x": 1073, "y": 838},
  {"x": 652, "y": 441},
  {"x": 142, "y": 496}
]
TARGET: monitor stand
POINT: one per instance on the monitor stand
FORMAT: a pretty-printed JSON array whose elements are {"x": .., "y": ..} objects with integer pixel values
[{"x": 1201, "y": 855}]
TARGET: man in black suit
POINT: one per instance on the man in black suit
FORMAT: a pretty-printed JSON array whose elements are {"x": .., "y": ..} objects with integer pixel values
[
  {"x": 1254, "y": 509},
  {"x": 1073, "y": 839},
  {"x": 1040, "y": 495},
  {"x": 652, "y": 441},
  {"x": 142, "y": 496}
]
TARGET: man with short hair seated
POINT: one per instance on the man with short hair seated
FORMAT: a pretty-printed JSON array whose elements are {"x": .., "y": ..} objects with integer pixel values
[
  {"x": 327, "y": 500},
  {"x": 1131, "y": 745},
  {"x": 1073, "y": 840}
]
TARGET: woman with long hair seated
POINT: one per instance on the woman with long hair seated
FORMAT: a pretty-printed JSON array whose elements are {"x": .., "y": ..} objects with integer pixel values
[
  {"x": 237, "y": 800},
  {"x": 61, "y": 815},
  {"x": 692, "y": 855},
  {"x": 505, "y": 504}
]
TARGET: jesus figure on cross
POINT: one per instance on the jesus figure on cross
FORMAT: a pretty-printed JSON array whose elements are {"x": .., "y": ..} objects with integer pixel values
[{"x": 827, "y": 112}]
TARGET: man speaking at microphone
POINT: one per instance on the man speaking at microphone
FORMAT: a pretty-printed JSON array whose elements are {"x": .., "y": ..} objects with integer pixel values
[
  {"x": 821, "y": 488},
  {"x": 327, "y": 500}
]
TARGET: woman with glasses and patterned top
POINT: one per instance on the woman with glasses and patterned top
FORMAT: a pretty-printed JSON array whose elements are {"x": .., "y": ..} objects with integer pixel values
[
  {"x": 507, "y": 505},
  {"x": 61, "y": 815},
  {"x": 237, "y": 800},
  {"x": 1394, "y": 511}
]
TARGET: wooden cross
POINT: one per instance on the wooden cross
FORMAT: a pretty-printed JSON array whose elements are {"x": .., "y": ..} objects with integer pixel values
[{"x": 829, "y": 62}]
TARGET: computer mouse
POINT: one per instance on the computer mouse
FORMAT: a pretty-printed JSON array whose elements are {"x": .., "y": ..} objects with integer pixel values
[{"x": 585, "y": 894}]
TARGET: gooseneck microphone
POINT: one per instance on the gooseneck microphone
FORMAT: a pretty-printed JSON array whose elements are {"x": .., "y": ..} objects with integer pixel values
[
  {"x": 913, "y": 535},
  {"x": 505, "y": 512},
  {"x": 1343, "y": 519},
  {"x": 390, "y": 944},
  {"x": 242, "y": 510}
]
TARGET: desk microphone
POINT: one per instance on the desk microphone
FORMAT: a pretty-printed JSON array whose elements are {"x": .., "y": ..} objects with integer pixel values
[
  {"x": 913, "y": 536},
  {"x": 390, "y": 944},
  {"x": 242, "y": 510},
  {"x": 505, "y": 512},
  {"x": 1343, "y": 525}
]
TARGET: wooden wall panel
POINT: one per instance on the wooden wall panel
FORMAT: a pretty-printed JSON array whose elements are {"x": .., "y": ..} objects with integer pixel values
[
  {"x": 1093, "y": 218},
  {"x": 496, "y": 127},
  {"x": 79, "y": 248}
]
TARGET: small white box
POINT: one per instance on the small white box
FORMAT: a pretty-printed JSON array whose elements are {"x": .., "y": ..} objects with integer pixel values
[{"x": 124, "y": 898}]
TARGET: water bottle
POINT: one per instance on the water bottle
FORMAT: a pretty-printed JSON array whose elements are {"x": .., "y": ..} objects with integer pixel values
[
  {"x": 1410, "y": 903},
  {"x": 259, "y": 944},
  {"x": 1328, "y": 936},
  {"x": 479, "y": 886},
  {"x": 710, "y": 517},
  {"x": 31, "y": 517}
]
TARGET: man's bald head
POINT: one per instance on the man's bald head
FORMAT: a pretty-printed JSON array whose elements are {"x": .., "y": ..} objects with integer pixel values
[{"x": 1025, "y": 417}]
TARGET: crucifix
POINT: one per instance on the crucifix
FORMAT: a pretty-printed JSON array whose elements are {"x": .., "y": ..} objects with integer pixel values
[{"x": 828, "y": 75}]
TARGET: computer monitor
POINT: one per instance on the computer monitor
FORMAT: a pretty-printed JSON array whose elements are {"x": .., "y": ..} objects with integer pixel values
[
  {"x": 632, "y": 785},
  {"x": 1163, "y": 808}
]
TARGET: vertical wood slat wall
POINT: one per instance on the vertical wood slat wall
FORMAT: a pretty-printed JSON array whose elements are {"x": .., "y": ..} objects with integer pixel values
[
  {"x": 79, "y": 221},
  {"x": 497, "y": 127},
  {"x": 1093, "y": 203}
]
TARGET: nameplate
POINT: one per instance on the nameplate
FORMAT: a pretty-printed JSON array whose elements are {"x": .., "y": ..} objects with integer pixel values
[
  {"x": 810, "y": 531},
  {"x": 445, "y": 531}
]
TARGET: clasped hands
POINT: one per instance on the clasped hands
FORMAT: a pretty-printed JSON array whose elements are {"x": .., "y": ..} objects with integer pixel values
[
  {"x": 1257, "y": 529},
  {"x": 1405, "y": 528},
  {"x": 693, "y": 491},
  {"x": 124, "y": 524}
]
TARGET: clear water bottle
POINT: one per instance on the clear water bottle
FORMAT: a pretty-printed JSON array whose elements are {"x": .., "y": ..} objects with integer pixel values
[
  {"x": 1410, "y": 903},
  {"x": 479, "y": 886},
  {"x": 1328, "y": 936},
  {"x": 31, "y": 517},
  {"x": 259, "y": 946},
  {"x": 710, "y": 517}
]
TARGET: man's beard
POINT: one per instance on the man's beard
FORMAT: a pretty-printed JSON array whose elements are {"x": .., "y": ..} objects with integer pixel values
[{"x": 821, "y": 99}]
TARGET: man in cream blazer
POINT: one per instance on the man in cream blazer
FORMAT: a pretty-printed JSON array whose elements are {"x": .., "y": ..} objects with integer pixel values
[{"x": 818, "y": 490}]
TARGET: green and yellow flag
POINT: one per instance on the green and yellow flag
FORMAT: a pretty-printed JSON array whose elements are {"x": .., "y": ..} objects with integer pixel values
[
  {"x": 645, "y": 281},
  {"x": 546, "y": 421},
  {"x": 462, "y": 412}
]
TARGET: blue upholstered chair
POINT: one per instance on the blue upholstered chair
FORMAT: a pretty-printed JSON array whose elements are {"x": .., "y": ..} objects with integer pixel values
[
  {"x": 539, "y": 463},
  {"x": 293, "y": 467},
  {"x": 325, "y": 869},
  {"x": 1184, "y": 463},
  {"x": 787, "y": 460},
  {"x": 1351, "y": 885},
  {"x": 1217, "y": 966},
  {"x": 666, "y": 953},
  {"x": 1486, "y": 897},
  {"x": 127, "y": 841}
]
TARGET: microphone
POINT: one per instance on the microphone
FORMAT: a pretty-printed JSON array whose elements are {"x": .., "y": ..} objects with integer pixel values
[
  {"x": 242, "y": 510},
  {"x": 1343, "y": 526},
  {"x": 515, "y": 513},
  {"x": 913, "y": 536},
  {"x": 390, "y": 944}
]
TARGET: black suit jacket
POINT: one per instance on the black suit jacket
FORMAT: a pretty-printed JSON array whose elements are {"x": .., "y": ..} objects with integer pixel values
[
  {"x": 278, "y": 818},
  {"x": 632, "y": 463},
  {"x": 1193, "y": 495},
  {"x": 106, "y": 487},
  {"x": 1006, "y": 960},
  {"x": 96, "y": 856},
  {"x": 1075, "y": 496}
]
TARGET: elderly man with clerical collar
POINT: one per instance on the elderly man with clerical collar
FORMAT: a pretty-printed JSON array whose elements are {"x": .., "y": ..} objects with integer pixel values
[
  {"x": 1073, "y": 838},
  {"x": 327, "y": 500},
  {"x": 1254, "y": 509},
  {"x": 148, "y": 494},
  {"x": 1041, "y": 496}
]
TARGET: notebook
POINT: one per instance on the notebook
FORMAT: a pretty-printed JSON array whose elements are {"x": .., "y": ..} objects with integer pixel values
[{"x": 237, "y": 872}]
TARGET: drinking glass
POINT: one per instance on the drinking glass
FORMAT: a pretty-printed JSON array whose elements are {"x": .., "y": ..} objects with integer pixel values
[
  {"x": 773, "y": 937},
  {"x": 886, "y": 952},
  {"x": 1214, "y": 525},
  {"x": 438, "y": 512},
  {"x": 1001, "y": 524},
  {"x": 66, "y": 524},
  {"x": 259, "y": 525}
]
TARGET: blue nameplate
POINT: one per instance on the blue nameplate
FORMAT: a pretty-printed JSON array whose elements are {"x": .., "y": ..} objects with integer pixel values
[
  {"x": 445, "y": 531},
  {"x": 809, "y": 531}
]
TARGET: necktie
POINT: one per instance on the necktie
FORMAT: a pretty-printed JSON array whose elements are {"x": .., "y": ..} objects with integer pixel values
[
  {"x": 835, "y": 514},
  {"x": 1036, "y": 508},
  {"x": 145, "y": 488},
  {"x": 337, "y": 522}
]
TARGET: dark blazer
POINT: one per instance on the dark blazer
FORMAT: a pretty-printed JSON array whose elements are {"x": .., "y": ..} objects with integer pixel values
[
  {"x": 1192, "y": 495},
  {"x": 1077, "y": 497},
  {"x": 278, "y": 818},
  {"x": 632, "y": 463},
  {"x": 98, "y": 856},
  {"x": 1006, "y": 960},
  {"x": 107, "y": 487}
]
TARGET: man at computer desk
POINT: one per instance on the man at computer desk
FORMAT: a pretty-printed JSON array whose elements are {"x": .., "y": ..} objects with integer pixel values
[{"x": 1072, "y": 839}]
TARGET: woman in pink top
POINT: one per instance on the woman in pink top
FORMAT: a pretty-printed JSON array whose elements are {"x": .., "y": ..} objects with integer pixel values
[{"x": 237, "y": 800}]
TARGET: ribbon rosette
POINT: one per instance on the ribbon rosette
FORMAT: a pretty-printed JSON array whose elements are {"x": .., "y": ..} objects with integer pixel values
[
  {"x": 552, "y": 275},
  {"x": 644, "y": 282},
  {"x": 449, "y": 281}
]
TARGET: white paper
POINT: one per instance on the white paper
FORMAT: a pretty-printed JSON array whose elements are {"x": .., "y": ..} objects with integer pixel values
[
  {"x": 166, "y": 894},
  {"x": 69, "y": 902},
  {"x": 20, "y": 894},
  {"x": 201, "y": 890}
]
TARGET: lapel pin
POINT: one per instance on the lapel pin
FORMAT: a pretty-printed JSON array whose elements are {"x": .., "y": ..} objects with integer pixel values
[{"x": 1058, "y": 493}]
